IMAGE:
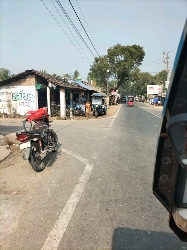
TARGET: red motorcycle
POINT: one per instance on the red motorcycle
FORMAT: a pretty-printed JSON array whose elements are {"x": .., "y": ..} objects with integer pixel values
[{"x": 37, "y": 140}]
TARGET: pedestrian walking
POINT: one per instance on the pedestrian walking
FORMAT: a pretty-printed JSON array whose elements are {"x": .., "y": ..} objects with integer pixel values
[{"x": 88, "y": 109}]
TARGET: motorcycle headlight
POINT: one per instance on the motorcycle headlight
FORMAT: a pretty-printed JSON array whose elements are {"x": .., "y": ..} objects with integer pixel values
[{"x": 96, "y": 105}]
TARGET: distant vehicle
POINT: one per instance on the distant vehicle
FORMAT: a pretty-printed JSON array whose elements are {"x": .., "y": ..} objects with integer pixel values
[
  {"x": 159, "y": 101},
  {"x": 136, "y": 98},
  {"x": 123, "y": 99},
  {"x": 130, "y": 102}
]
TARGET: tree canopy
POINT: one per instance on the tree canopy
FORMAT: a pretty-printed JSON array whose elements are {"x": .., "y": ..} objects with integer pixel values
[
  {"x": 75, "y": 75},
  {"x": 121, "y": 61},
  {"x": 140, "y": 80},
  {"x": 5, "y": 74},
  {"x": 98, "y": 71}
]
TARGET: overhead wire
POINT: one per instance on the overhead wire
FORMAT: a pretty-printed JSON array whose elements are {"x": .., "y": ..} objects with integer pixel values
[
  {"x": 64, "y": 31},
  {"x": 74, "y": 27},
  {"x": 83, "y": 27},
  {"x": 69, "y": 29},
  {"x": 148, "y": 63},
  {"x": 87, "y": 24}
]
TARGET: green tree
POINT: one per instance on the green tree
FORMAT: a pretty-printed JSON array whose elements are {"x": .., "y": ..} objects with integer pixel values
[
  {"x": 161, "y": 77},
  {"x": 98, "y": 71},
  {"x": 141, "y": 81},
  {"x": 68, "y": 76},
  {"x": 43, "y": 71},
  {"x": 123, "y": 61},
  {"x": 75, "y": 75},
  {"x": 5, "y": 74}
]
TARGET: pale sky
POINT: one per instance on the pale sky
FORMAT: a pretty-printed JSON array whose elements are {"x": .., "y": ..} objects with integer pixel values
[{"x": 30, "y": 37}]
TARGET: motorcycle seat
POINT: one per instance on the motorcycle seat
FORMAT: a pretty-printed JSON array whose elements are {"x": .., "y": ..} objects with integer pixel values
[{"x": 36, "y": 131}]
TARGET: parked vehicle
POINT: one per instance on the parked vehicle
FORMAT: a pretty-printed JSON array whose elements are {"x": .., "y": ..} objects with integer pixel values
[
  {"x": 99, "y": 104},
  {"x": 37, "y": 140},
  {"x": 130, "y": 102},
  {"x": 79, "y": 109},
  {"x": 136, "y": 99},
  {"x": 123, "y": 99}
]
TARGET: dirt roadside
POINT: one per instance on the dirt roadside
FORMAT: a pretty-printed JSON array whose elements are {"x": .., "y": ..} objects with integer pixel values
[{"x": 17, "y": 182}]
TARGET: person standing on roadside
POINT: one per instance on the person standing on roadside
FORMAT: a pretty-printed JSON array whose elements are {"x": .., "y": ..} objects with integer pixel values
[{"x": 88, "y": 109}]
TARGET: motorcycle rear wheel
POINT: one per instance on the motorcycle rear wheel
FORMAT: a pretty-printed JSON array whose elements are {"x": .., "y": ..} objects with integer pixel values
[{"x": 36, "y": 162}]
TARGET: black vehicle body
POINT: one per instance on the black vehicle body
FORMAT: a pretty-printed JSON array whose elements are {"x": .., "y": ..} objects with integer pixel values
[
  {"x": 99, "y": 104},
  {"x": 170, "y": 173},
  {"x": 123, "y": 99}
]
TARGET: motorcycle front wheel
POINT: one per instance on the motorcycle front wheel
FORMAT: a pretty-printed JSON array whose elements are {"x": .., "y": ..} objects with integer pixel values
[{"x": 35, "y": 160}]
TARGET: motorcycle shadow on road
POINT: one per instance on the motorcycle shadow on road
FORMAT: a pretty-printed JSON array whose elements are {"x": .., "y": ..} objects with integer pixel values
[
  {"x": 51, "y": 158},
  {"x": 128, "y": 238}
]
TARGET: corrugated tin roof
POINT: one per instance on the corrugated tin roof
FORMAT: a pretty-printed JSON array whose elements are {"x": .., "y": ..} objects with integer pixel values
[{"x": 83, "y": 85}]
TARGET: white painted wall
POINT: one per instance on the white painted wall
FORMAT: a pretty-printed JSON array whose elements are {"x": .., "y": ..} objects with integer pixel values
[{"x": 17, "y": 99}]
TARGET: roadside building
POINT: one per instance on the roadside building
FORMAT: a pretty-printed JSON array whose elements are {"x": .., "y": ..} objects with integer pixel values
[
  {"x": 155, "y": 91},
  {"x": 32, "y": 89}
]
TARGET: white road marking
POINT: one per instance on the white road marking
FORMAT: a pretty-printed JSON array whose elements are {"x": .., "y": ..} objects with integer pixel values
[
  {"x": 117, "y": 112},
  {"x": 113, "y": 119},
  {"x": 149, "y": 111},
  {"x": 62, "y": 222}
]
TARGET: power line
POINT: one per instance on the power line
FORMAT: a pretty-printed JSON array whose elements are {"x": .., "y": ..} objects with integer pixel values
[
  {"x": 158, "y": 60},
  {"x": 64, "y": 31},
  {"x": 83, "y": 27},
  {"x": 68, "y": 28},
  {"x": 86, "y": 24},
  {"x": 69, "y": 19}
]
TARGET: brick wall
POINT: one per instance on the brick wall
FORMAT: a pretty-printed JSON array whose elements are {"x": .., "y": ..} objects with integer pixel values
[{"x": 27, "y": 81}]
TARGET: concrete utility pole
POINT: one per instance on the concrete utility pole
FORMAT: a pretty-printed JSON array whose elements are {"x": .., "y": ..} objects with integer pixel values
[
  {"x": 107, "y": 82},
  {"x": 166, "y": 65}
]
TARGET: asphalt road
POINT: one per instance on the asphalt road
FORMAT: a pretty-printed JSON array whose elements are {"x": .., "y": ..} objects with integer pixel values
[{"x": 96, "y": 192}]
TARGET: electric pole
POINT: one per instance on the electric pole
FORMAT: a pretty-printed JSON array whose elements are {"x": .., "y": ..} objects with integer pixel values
[{"x": 166, "y": 65}]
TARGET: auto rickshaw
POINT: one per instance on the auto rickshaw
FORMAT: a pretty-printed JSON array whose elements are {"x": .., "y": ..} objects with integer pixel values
[
  {"x": 130, "y": 102},
  {"x": 99, "y": 104}
]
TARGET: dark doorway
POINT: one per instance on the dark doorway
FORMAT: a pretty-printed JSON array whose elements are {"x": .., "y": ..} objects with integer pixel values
[{"x": 42, "y": 98}]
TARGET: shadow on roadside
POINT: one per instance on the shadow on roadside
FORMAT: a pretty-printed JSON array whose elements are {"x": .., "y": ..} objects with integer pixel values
[
  {"x": 51, "y": 157},
  {"x": 130, "y": 239}
]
